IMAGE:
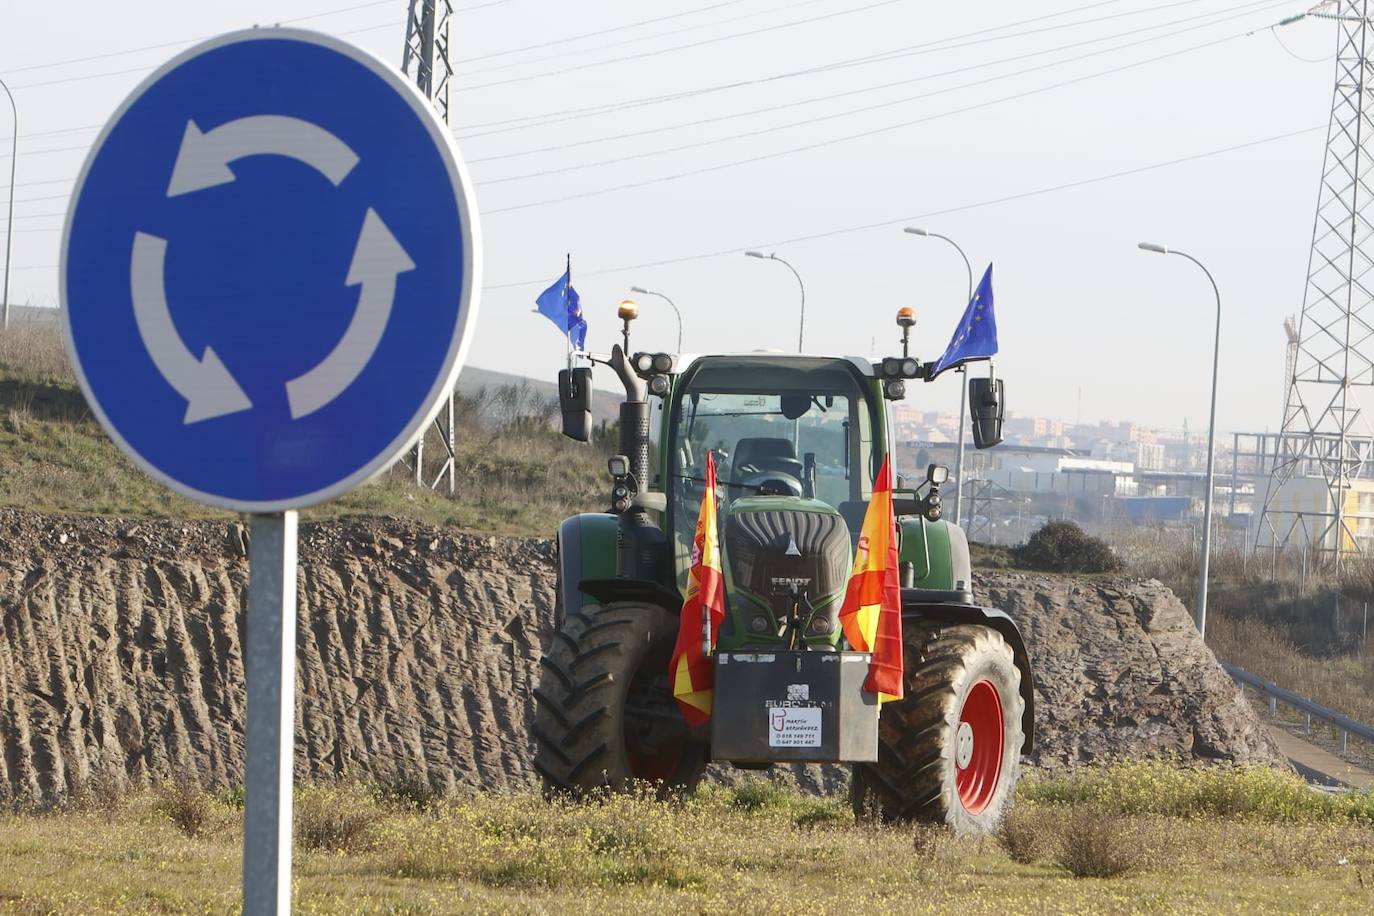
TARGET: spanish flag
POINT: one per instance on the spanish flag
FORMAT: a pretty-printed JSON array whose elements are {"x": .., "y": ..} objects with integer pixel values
[
  {"x": 690, "y": 671},
  {"x": 872, "y": 611}
]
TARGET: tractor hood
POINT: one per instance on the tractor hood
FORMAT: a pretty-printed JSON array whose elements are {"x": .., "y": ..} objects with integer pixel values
[{"x": 786, "y": 559}]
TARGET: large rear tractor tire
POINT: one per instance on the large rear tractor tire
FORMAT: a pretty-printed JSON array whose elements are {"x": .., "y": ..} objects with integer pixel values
[
  {"x": 605, "y": 717},
  {"x": 950, "y": 751}
]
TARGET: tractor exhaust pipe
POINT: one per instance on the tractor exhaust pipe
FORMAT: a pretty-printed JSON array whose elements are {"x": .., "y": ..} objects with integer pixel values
[{"x": 634, "y": 418}]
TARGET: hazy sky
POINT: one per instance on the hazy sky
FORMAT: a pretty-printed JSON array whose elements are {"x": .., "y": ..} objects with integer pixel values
[{"x": 956, "y": 105}]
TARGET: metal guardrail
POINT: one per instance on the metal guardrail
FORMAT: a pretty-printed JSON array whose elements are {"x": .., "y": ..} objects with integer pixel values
[{"x": 1344, "y": 724}]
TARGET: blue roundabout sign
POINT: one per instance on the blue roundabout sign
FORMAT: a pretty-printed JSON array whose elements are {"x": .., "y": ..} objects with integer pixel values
[{"x": 270, "y": 270}]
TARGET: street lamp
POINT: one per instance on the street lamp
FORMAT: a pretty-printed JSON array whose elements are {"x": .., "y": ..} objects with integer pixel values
[
  {"x": 9, "y": 225},
  {"x": 801, "y": 324},
  {"x": 1211, "y": 440},
  {"x": 648, "y": 292},
  {"x": 963, "y": 385}
]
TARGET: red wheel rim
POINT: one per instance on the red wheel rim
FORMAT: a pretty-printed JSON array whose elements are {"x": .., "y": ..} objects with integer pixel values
[{"x": 978, "y": 747}]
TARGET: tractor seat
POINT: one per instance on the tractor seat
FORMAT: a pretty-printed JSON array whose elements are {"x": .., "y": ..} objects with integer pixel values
[{"x": 765, "y": 453}]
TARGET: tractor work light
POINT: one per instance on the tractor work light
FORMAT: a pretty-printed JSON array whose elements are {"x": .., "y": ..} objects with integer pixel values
[
  {"x": 618, "y": 465},
  {"x": 899, "y": 367},
  {"x": 663, "y": 362},
  {"x": 894, "y": 389},
  {"x": 659, "y": 385},
  {"x": 643, "y": 362}
]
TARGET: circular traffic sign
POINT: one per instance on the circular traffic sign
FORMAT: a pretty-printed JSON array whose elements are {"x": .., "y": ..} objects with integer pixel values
[{"x": 270, "y": 270}]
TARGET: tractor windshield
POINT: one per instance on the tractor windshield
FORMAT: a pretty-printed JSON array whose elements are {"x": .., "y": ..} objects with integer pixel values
[{"x": 777, "y": 425}]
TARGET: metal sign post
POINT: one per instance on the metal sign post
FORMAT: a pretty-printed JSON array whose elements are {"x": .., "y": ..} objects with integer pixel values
[
  {"x": 270, "y": 670},
  {"x": 269, "y": 279}
]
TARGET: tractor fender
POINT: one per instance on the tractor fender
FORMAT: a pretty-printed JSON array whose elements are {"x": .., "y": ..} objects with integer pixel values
[
  {"x": 587, "y": 546},
  {"x": 586, "y": 550},
  {"x": 914, "y": 608},
  {"x": 937, "y": 551}
]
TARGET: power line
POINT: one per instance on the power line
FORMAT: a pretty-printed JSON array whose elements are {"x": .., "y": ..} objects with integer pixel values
[
  {"x": 1273, "y": 30},
  {"x": 1008, "y": 198},
  {"x": 606, "y": 31},
  {"x": 31, "y": 200},
  {"x": 38, "y": 152},
  {"x": 862, "y": 227},
  {"x": 857, "y": 136},
  {"x": 859, "y": 91},
  {"x": 934, "y": 46},
  {"x": 793, "y": 104},
  {"x": 187, "y": 41},
  {"x": 833, "y": 141},
  {"x": 787, "y": 7},
  {"x": 696, "y": 44}
]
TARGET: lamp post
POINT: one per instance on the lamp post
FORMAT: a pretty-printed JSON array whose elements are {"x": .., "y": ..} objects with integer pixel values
[
  {"x": 801, "y": 323},
  {"x": 648, "y": 292},
  {"x": 9, "y": 225},
  {"x": 963, "y": 384},
  {"x": 1211, "y": 441}
]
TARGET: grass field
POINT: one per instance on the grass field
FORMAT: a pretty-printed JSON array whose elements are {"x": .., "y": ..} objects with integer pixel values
[{"x": 1171, "y": 840}]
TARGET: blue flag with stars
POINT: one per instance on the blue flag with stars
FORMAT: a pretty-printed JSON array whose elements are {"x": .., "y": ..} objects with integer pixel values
[
  {"x": 561, "y": 305},
  {"x": 976, "y": 336}
]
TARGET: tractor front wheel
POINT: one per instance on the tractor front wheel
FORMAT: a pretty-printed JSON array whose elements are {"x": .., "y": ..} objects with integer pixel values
[
  {"x": 950, "y": 750},
  {"x": 605, "y": 716}
]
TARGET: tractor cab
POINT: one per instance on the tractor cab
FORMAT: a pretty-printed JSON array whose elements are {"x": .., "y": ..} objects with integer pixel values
[{"x": 797, "y": 442}]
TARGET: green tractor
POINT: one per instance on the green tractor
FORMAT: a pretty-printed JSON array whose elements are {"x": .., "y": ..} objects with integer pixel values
[{"x": 798, "y": 441}]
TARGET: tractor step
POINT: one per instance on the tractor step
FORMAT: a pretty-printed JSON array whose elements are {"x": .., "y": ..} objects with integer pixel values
[{"x": 794, "y": 707}]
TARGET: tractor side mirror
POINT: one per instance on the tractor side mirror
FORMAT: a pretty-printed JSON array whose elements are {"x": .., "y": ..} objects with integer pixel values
[
  {"x": 575, "y": 401},
  {"x": 988, "y": 407}
]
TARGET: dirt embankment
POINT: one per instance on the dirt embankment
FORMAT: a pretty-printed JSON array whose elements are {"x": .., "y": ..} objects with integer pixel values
[{"x": 120, "y": 655}]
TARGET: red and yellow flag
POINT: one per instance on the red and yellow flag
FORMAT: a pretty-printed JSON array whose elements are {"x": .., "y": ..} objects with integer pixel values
[
  {"x": 690, "y": 672},
  {"x": 872, "y": 611}
]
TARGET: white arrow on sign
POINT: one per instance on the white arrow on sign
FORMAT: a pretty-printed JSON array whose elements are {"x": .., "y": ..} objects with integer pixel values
[
  {"x": 210, "y": 391},
  {"x": 203, "y": 160},
  {"x": 377, "y": 260}
]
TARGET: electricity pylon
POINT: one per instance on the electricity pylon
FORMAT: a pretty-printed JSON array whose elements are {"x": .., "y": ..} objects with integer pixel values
[
  {"x": 426, "y": 59},
  {"x": 1326, "y": 434}
]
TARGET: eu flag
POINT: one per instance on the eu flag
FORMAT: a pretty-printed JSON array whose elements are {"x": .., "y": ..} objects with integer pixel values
[
  {"x": 976, "y": 336},
  {"x": 561, "y": 305}
]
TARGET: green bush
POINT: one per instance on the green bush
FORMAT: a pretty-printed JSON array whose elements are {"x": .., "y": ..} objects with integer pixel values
[
  {"x": 1159, "y": 788},
  {"x": 757, "y": 795},
  {"x": 1062, "y": 546}
]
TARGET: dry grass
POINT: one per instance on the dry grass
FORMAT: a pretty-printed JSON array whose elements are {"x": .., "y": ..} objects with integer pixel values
[
  {"x": 186, "y": 805},
  {"x": 1282, "y": 617},
  {"x": 334, "y": 818},
  {"x": 747, "y": 849},
  {"x": 34, "y": 352},
  {"x": 1094, "y": 843},
  {"x": 1344, "y": 682},
  {"x": 516, "y": 475},
  {"x": 1027, "y": 835}
]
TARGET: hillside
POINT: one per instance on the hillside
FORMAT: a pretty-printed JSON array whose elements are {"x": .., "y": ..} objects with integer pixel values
[
  {"x": 516, "y": 473},
  {"x": 120, "y": 657}
]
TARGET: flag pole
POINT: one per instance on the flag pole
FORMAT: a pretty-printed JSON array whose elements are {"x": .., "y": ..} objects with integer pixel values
[{"x": 567, "y": 284}]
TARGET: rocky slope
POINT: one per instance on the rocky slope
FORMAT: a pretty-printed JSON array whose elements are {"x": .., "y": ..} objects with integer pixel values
[{"x": 120, "y": 657}]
